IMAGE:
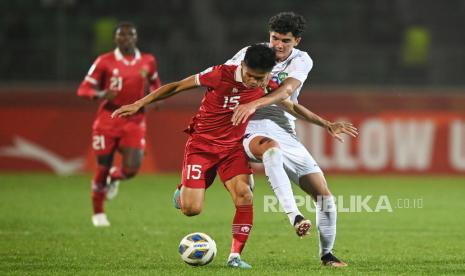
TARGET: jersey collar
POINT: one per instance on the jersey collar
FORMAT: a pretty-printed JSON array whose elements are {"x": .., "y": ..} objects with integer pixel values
[
  {"x": 119, "y": 57},
  {"x": 238, "y": 74}
]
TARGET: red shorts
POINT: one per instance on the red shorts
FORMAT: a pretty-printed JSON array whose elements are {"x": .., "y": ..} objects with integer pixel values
[
  {"x": 202, "y": 162},
  {"x": 111, "y": 134}
]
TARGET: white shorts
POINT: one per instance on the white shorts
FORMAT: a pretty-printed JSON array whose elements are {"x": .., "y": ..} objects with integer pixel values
[{"x": 297, "y": 160}]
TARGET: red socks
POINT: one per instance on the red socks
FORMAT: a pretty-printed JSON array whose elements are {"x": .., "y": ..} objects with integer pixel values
[
  {"x": 98, "y": 189},
  {"x": 242, "y": 224}
]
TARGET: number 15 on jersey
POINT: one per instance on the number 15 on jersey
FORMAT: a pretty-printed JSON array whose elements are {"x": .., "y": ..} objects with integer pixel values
[{"x": 194, "y": 171}]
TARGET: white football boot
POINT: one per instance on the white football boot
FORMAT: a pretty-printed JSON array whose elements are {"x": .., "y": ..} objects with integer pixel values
[{"x": 100, "y": 220}]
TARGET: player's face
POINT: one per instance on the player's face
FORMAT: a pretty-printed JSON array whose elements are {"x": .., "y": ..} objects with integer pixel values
[
  {"x": 126, "y": 38},
  {"x": 254, "y": 78},
  {"x": 283, "y": 44}
]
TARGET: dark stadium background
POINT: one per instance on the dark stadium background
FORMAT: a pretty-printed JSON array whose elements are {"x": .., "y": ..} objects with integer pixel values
[{"x": 395, "y": 68}]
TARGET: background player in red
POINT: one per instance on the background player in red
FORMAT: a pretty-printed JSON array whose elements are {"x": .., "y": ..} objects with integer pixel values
[
  {"x": 215, "y": 145},
  {"x": 117, "y": 78}
]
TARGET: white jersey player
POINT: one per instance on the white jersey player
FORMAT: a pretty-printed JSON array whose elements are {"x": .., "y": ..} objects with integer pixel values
[{"x": 270, "y": 136}]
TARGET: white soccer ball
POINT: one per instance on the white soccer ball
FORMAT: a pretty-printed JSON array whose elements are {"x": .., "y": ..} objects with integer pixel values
[{"x": 197, "y": 249}]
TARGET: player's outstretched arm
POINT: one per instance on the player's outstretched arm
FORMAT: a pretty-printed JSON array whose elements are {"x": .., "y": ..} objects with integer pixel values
[
  {"x": 242, "y": 112},
  {"x": 334, "y": 128},
  {"x": 163, "y": 92}
]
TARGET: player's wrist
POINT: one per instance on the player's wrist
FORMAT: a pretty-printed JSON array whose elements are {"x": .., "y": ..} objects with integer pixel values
[{"x": 100, "y": 94}]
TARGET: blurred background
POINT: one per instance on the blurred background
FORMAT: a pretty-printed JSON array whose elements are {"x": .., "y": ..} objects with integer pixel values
[
  {"x": 393, "y": 67},
  {"x": 353, "y": 42}
]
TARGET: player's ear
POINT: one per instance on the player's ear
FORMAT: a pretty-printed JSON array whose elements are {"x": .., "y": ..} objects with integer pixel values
[{"x": 297, "y": 40}]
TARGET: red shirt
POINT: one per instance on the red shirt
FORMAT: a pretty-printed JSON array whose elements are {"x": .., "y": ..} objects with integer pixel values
[
  {"x": 127, "y": 75},
  {"x": 225, "y": 91}
]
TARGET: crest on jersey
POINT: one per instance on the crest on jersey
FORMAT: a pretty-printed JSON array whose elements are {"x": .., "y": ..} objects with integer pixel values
[
  {"x": 144, "y": 72},
  {"x": 115, "y": 71},
  {"x": 282, "y": 76},
  {"x": 234, "y": 90}
]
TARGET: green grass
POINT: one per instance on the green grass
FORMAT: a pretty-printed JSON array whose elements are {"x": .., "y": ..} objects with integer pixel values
[{"x": 45, "y": 228}]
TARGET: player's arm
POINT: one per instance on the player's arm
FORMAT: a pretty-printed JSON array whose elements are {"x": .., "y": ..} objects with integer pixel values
[
  {"x": 334, "y": 128},
  {"x": 88, "y": 90},
  {"x": 163, "y": 92},
  {"x": 242, "y": 112},
  {"x": 90, "y": 87}
]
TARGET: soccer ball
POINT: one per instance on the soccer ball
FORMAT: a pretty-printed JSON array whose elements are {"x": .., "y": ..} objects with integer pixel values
[{"x": 197, "y": 249}]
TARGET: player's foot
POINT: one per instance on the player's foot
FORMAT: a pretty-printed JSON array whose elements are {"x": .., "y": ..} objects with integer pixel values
[
  {"x": 100, "y": 220},
  {"x": 177, "y": 198},
  {"x": 236, "y": 262},
  {"x": 302, "y": 226},
  {"x": 331, "y": 260},
  {"x": 112, "y": 185}
]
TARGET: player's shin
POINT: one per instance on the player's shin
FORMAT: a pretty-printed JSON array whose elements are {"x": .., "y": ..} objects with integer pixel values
[
  {"x": 326, "y": 215},
  {"x": 242, "y": 224},
  {"x": 99, "y": 189},
  {"x": 279, "y": 181}
]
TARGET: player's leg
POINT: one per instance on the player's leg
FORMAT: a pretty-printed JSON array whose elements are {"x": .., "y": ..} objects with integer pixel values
[
  {"x": 236, "y": 174},
  {"x": 240, "y": 189},
  {"x": 132, "y": 160},
  {"x": 269, "y": 152},
  {"x": 316, "y": 186},
  {"x": 104, "y": 148},
  {"x": 192, "y": 200},
  {"x": 198, "y": 173},
  {"x": 303, "y": 170},
  {"x": 131, "y": 145}
]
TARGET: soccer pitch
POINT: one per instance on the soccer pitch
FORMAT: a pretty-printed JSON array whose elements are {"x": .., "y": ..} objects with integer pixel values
[{"x": 45, "y": 228}]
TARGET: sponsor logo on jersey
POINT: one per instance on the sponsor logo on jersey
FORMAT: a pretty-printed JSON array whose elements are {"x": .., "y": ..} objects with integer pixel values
[{"x": 234, "y": 90}]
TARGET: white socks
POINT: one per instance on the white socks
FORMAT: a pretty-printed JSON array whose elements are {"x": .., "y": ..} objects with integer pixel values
[
  {"x": 326, "y": 216},
  {"x": 279, "y": 181}
]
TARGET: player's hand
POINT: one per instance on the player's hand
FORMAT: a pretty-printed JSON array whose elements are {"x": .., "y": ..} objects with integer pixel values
[
  {"x": 242, "y": 112},
  {"x": 109, "y": 94},
  {"x": 337, "y": 128},
  {"x": 126, "y": 110}
]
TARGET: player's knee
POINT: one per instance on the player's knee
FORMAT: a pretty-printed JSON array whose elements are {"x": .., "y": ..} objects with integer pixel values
[
  {"x": 244, "y": 195},
  {"x": 130, "y": 172},
  {"x": 191, "y": 210},
  {"x": 273, "y": 157}
]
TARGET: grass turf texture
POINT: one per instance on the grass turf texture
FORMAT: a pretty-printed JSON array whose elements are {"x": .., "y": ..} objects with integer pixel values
[{"x": 45, "y": 228}]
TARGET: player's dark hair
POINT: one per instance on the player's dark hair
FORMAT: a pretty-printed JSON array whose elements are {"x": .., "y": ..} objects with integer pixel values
[
  {"x": 285, "y": 22},
  {"x": 124, "y": 24},
  {"x": 260, "y": 57}
]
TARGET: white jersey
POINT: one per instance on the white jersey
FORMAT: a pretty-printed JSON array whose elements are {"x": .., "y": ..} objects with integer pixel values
[{"x": 296, "y": 66}]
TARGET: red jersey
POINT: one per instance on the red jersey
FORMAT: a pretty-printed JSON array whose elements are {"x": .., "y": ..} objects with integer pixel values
[
  {"x": 128, "y": 76},
  {"x": 225, "y": 91}
]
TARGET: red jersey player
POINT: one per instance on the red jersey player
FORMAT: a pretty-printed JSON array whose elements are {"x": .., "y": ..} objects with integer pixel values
[
  {"x": 119, "y": 77},
  {"x": 215, "y": 145}
]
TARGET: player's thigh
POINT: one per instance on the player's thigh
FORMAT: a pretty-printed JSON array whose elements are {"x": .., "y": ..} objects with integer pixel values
[
  {"x": 192, "y": 200},
  {"x": 132, "y": 157},
  {"x": 259, "y": 138},
  {"x": 104, "y": 147},
  {"x": 199, "y": 165},
  {"x": 297, "y": 160},
  {"x": 260, "y": 144},
  {"x": 132, "y": 142},
  {"x": 240, "y": 189}
]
